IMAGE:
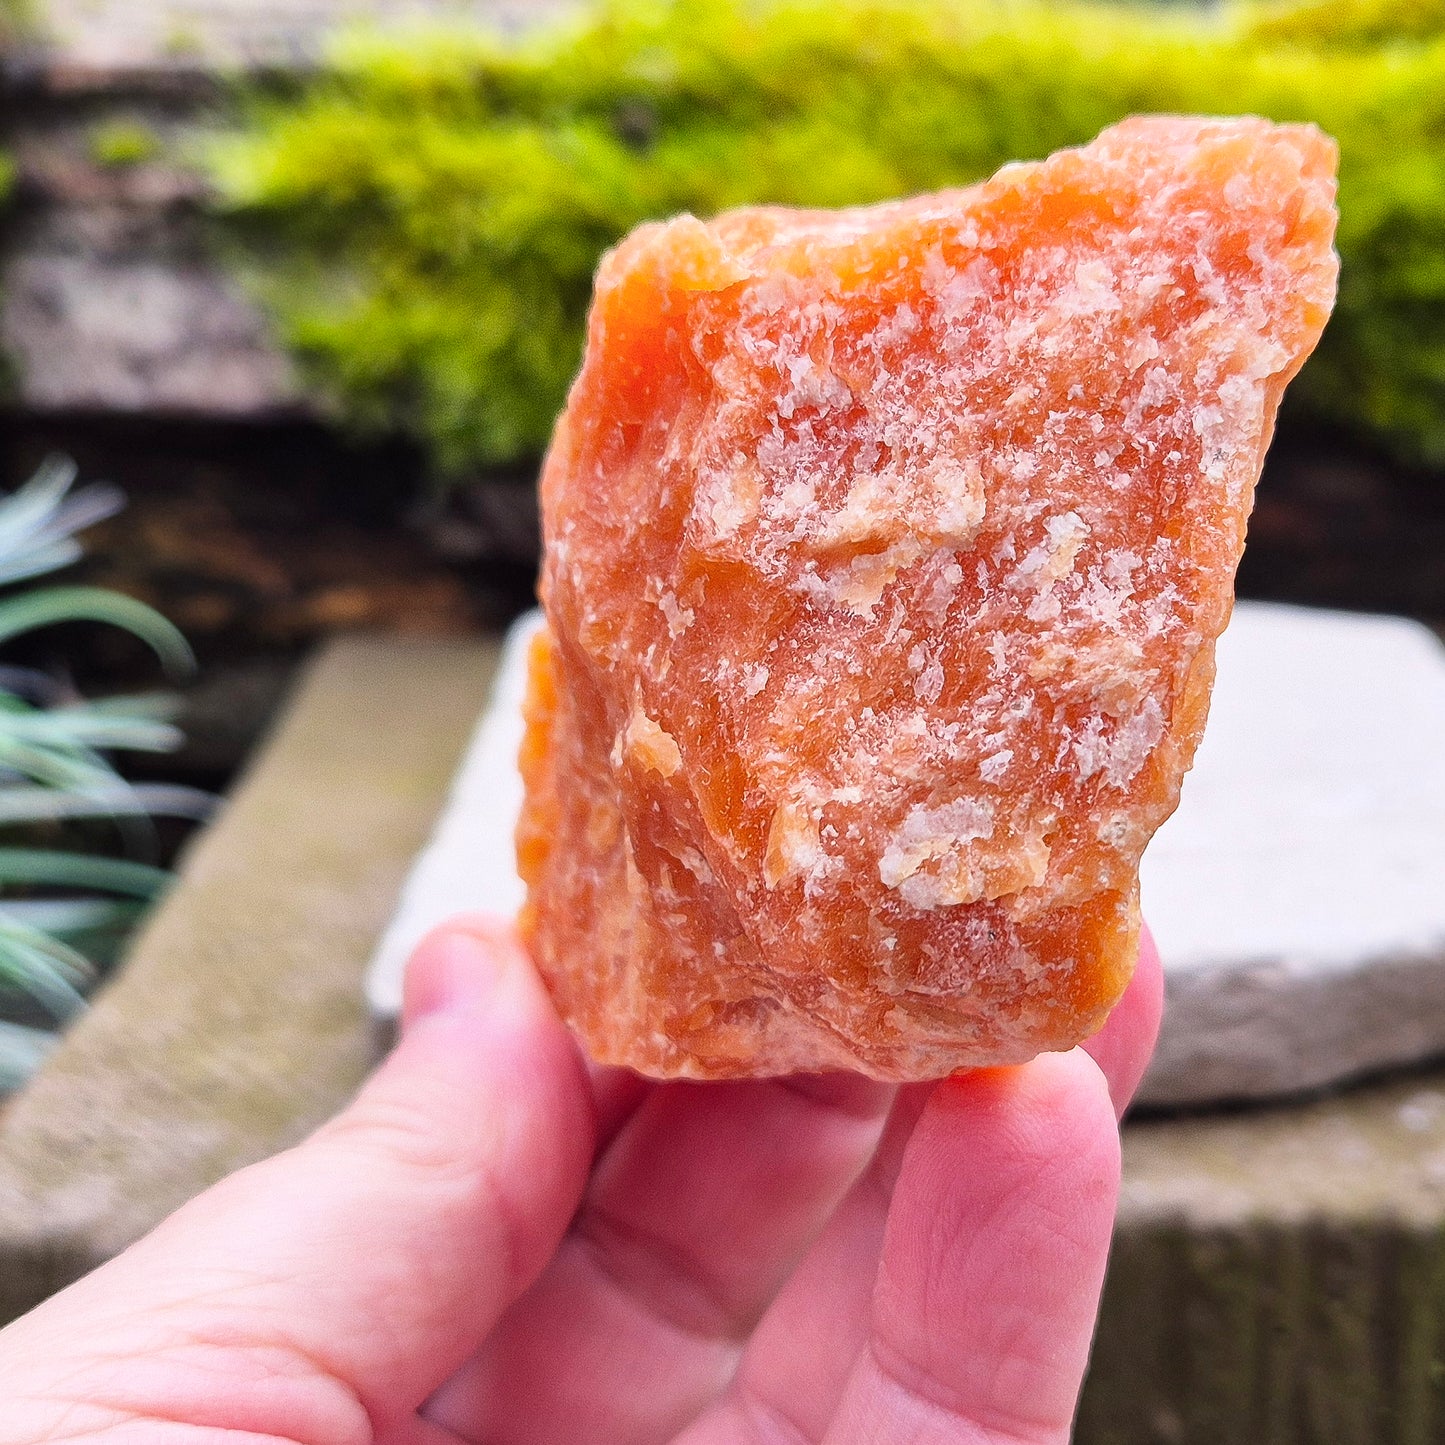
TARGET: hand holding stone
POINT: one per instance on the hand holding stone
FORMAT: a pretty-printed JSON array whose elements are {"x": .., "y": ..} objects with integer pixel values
[{"x": 497, "y": 1243}]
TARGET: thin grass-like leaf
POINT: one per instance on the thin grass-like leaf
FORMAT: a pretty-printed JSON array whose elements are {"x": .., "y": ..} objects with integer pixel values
[
  {"x": 64, "y": 917},
  {"x": 58, "y": 767},
  {"x": 47, "y": 556},
  {"x": 52, "y": 548},
  {"x": 29, "y": 687},
  {"x": 45, "y": 511},
  {"x": 24, "y": 512},
  {"x": 54, "y": 767},
  {"x": 91, "y": 504},
  {"x": 98, "y": 928},
  {"x": 80, "y": 870},
  {"x": 157, "y": 706},
  {"x": 94, "y": 604},
  {"x": 43, "y": 968},
  {"x": 87, "y": 727},
  {"x": 67, "y": 964},
  {"x": 22, "y": 1051},
  {"x": 155, "y": 800}
]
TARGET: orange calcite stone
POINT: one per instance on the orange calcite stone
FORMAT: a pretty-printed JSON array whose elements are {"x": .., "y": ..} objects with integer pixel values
[{"x": 886, "y": 550}]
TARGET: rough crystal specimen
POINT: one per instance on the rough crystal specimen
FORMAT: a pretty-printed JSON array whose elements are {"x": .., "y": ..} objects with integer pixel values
[{"x": 885, "y": 554}]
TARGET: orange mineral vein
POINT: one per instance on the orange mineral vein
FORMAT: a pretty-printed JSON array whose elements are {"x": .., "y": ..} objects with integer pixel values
[{"x": 886, "y": 550}]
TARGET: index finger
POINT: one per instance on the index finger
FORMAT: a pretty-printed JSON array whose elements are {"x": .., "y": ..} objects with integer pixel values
[{"x": 993, "y": 1259}]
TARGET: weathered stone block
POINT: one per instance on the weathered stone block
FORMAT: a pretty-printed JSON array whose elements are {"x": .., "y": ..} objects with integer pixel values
[
  {"x": 1278, "y": 1277},
  {"x": 112, "y": 296},
  {"x": 237, "y": 1023}
]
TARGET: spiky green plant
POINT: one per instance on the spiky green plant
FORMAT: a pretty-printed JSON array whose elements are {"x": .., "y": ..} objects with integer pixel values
[
  {"x": 16, "y": 17},
  {"x": 430, "y": 211},
  {"x": 64, "y": 911}
]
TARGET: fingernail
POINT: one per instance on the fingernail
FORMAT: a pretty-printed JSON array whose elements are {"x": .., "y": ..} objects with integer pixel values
[{"x": 455, "y": 971}]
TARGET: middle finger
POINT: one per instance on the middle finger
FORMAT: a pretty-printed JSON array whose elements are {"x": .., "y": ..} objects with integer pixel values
[{"x": 704, "y": 1202}]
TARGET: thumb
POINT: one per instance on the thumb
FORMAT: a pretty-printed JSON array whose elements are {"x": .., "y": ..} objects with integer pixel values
[{"x": 358, "y": 1270}]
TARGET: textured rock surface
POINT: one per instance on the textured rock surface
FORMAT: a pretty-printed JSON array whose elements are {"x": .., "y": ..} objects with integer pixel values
[
  {"x": 237, "y": 1023},
  {"x": 885, "y": 553},
  {"x": 109, "y": 297},
  {"x": 118, "y": 35}
]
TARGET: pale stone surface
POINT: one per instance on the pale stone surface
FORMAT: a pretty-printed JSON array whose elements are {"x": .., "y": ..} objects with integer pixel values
[
  {"x": 237, "y": 1023},
  {"x": 109, "y": 299},
  {"x": 1298, "y": 896},
  {"x": 116, "y": 35},
  {"x": 469, "y": 862},
  {"x": 126, "y": 333}
]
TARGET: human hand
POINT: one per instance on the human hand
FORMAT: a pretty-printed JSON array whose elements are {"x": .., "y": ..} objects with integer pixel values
[{"x": 496, "y": 1243}]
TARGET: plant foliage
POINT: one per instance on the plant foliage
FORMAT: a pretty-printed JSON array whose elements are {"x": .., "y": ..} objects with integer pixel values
[
  {"x": 430, "y": 212},
  {"x": 64, "y": 912}
]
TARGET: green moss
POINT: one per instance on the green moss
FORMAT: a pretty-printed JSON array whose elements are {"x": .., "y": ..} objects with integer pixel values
[
  {"x": 183, "y": 41},
  {"x": 16, "y": 16},
  {"x": 1348, "y": 24},
  {"x": 121, "y": 143},
  {"x": 430, "y": 212}
]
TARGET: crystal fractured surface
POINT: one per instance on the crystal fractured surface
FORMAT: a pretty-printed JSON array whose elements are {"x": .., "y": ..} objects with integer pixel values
[{"x": 885, "y": 554}]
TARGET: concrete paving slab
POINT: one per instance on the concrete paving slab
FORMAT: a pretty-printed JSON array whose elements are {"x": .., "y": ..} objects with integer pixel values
[
  {"x": 1298, "y": 895},
  {"x": 1278, "y": 1277}
]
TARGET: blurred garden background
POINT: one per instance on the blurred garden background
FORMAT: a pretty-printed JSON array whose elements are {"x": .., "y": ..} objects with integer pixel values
[{"x": 290, "y": 295}]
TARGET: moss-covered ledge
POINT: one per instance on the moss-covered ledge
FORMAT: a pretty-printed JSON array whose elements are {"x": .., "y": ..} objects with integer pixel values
[
  {"x": 1278, "y": 1277},
  {"x": 237, "y": 1023}
]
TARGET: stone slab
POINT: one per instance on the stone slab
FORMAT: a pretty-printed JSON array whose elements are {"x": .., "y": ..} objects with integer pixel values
[
  {"x": 468, "y": 862},
  {"x": 1278, "y": 1277},
  {"x": 1298, "y": 895},
  {"x": 236, "y": 1025}
]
